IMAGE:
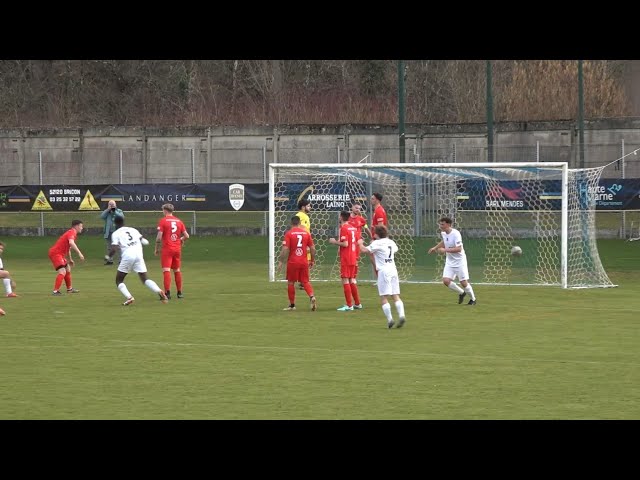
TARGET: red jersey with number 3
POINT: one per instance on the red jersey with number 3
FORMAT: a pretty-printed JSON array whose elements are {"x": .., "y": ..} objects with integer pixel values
[
  {"x": 297, "y": 240},
  {"x": 349, "y": 254},
  {"x": 172, "y": 229}
]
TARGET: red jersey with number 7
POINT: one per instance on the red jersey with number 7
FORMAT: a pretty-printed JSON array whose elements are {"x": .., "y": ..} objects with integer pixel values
[
  {"x": 297, "y": 240},
  {"x": 172, "y": 229}
]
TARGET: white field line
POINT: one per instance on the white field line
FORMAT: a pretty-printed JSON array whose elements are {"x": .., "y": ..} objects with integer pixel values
[{"x": 136, "y": 344}]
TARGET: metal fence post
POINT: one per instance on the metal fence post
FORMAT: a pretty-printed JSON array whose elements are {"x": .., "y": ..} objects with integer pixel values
[
  {"x": 193, "y": 181},
  {"x": 265, "y": 226},
  {"x": 623, "y": 229},
  {"x": 40, "y": 178},
  {"x": 120, "y": 168}
]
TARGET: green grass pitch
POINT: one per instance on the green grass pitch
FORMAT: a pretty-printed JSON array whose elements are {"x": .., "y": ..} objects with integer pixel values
[{"x": 228, "y": 351}]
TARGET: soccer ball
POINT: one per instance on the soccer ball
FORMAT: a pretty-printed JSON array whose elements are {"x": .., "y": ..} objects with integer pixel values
[{"x": 516, "y": 251}]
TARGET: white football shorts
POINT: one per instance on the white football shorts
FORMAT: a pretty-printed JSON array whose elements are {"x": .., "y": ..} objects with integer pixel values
[
  {"x": 462, "y": 272},
  {"x": 388, "y": 282},
  {"x": 127, "y": 264}
]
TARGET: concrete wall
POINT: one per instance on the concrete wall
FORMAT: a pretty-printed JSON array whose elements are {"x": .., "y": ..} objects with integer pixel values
[{"x": 241, "y": 154}]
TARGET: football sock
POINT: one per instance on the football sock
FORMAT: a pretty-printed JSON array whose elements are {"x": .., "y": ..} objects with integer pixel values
[
  {"x": 178, "y": 276},
  {"x": 166, "y": 277},
  {"x": 386, "y": 308},
  {"x": 153, "y": 286},
  {"x": 58, "y": 283},
  {"x": 125, "y": 291},
  {"x": 455, "y": 288},
  {"x": 7, "y": 285},
  {"x": 308, "y": 288},
  {"x": 354, "y": 292},
  {"x": 347, "y": 294},
  {"x": 291, "y": 290},
  {"x": 469, "y": 290},
  {"x": 67, "y": 280},
  {"x": 400, "y": 308}
]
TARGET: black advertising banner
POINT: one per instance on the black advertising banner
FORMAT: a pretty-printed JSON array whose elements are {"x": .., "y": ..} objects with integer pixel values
[
  {"x": 474, "y": 194},
  {"x": 135, "y": 197}
]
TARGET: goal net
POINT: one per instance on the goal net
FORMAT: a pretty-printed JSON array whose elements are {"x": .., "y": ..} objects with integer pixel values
[{"x": 545, "y": 208}]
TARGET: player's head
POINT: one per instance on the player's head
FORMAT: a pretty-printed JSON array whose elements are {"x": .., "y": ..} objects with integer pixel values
[
  {"x": 295, "y": 221},
  {"x": 1, "y": 248},
  {"x": 376, "y": 198},
  {"x": 445, "y": 223},
  {"x": 380, "y": 231},
  {"x": 168, "y": 209},
  {"x": 344, "y": 216},
  {"x": 77, "y": 225},
  {"x": 119, "y": 222},
  {"x": 356, "y": 209},
  {"x": 304, "y": 205}
]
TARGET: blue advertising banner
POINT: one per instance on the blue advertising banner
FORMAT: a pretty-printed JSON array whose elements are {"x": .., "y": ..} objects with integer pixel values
[
  {"x": 616, "y": 194},
  {"x": 135, "y": 197},
  {"x": 333, "y": 197}
]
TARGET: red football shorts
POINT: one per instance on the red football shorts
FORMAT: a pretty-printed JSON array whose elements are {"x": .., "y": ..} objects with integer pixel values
[
  {"x": 57, "y": 260},
  {"x": 348, "y": 271},
  {"x": 297, "y": 272},
  {"x": 170, "y": 259}
]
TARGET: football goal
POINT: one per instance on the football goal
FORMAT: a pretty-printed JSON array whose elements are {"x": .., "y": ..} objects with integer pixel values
[{"x": 545, "y": 208}]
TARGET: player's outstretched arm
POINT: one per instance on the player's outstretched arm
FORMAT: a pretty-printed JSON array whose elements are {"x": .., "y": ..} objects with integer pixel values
[
  {"x": 158, "y": 243},
  {"x": 284, "y": 253},
  {"x": 312, "y": 250},
  {"x": 73, "y": 246},
  {"x": 436, "y": 247}
]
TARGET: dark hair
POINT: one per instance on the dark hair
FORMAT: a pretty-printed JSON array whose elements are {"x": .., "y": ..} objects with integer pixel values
[
  {"x": 76, "y": 222},
  {"x": 303, "y": 203},
  {"x": 295, "y": 220},
  {"x": 344, "y": 215},
  {"x": 378, "y": 196},
  {"x": 118, "y": 221},
  {"x": 381, "y": 231},
  {"x": 446, "y": 220}
]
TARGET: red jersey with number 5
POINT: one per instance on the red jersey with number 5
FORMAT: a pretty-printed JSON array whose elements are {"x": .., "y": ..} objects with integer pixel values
[
  {"x": 297, "y": 240},
  {"x": 172, "y": 229}
]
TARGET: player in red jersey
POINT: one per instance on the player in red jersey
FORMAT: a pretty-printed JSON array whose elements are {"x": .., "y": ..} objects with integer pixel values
[
  {"x": 58, "y": 253},
  {"x": 357, "y": 219},
  {"x": 171, "y": 236},
  {"x": 349, "y": 251},
  {"x": 294, "y": 249},
  {"x": 379, "y": 213}
]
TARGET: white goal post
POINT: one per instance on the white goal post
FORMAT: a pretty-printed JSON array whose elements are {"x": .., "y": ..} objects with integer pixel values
[{"x": 545, "y": 208}]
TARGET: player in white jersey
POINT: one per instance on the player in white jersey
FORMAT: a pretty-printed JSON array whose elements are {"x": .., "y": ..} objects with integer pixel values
[
  {"x": 130, "y": 241},
  {"x": 456, "y": 262},
  {"x": 382, "y": 251},
  {"x": 8, "y": 282}
]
